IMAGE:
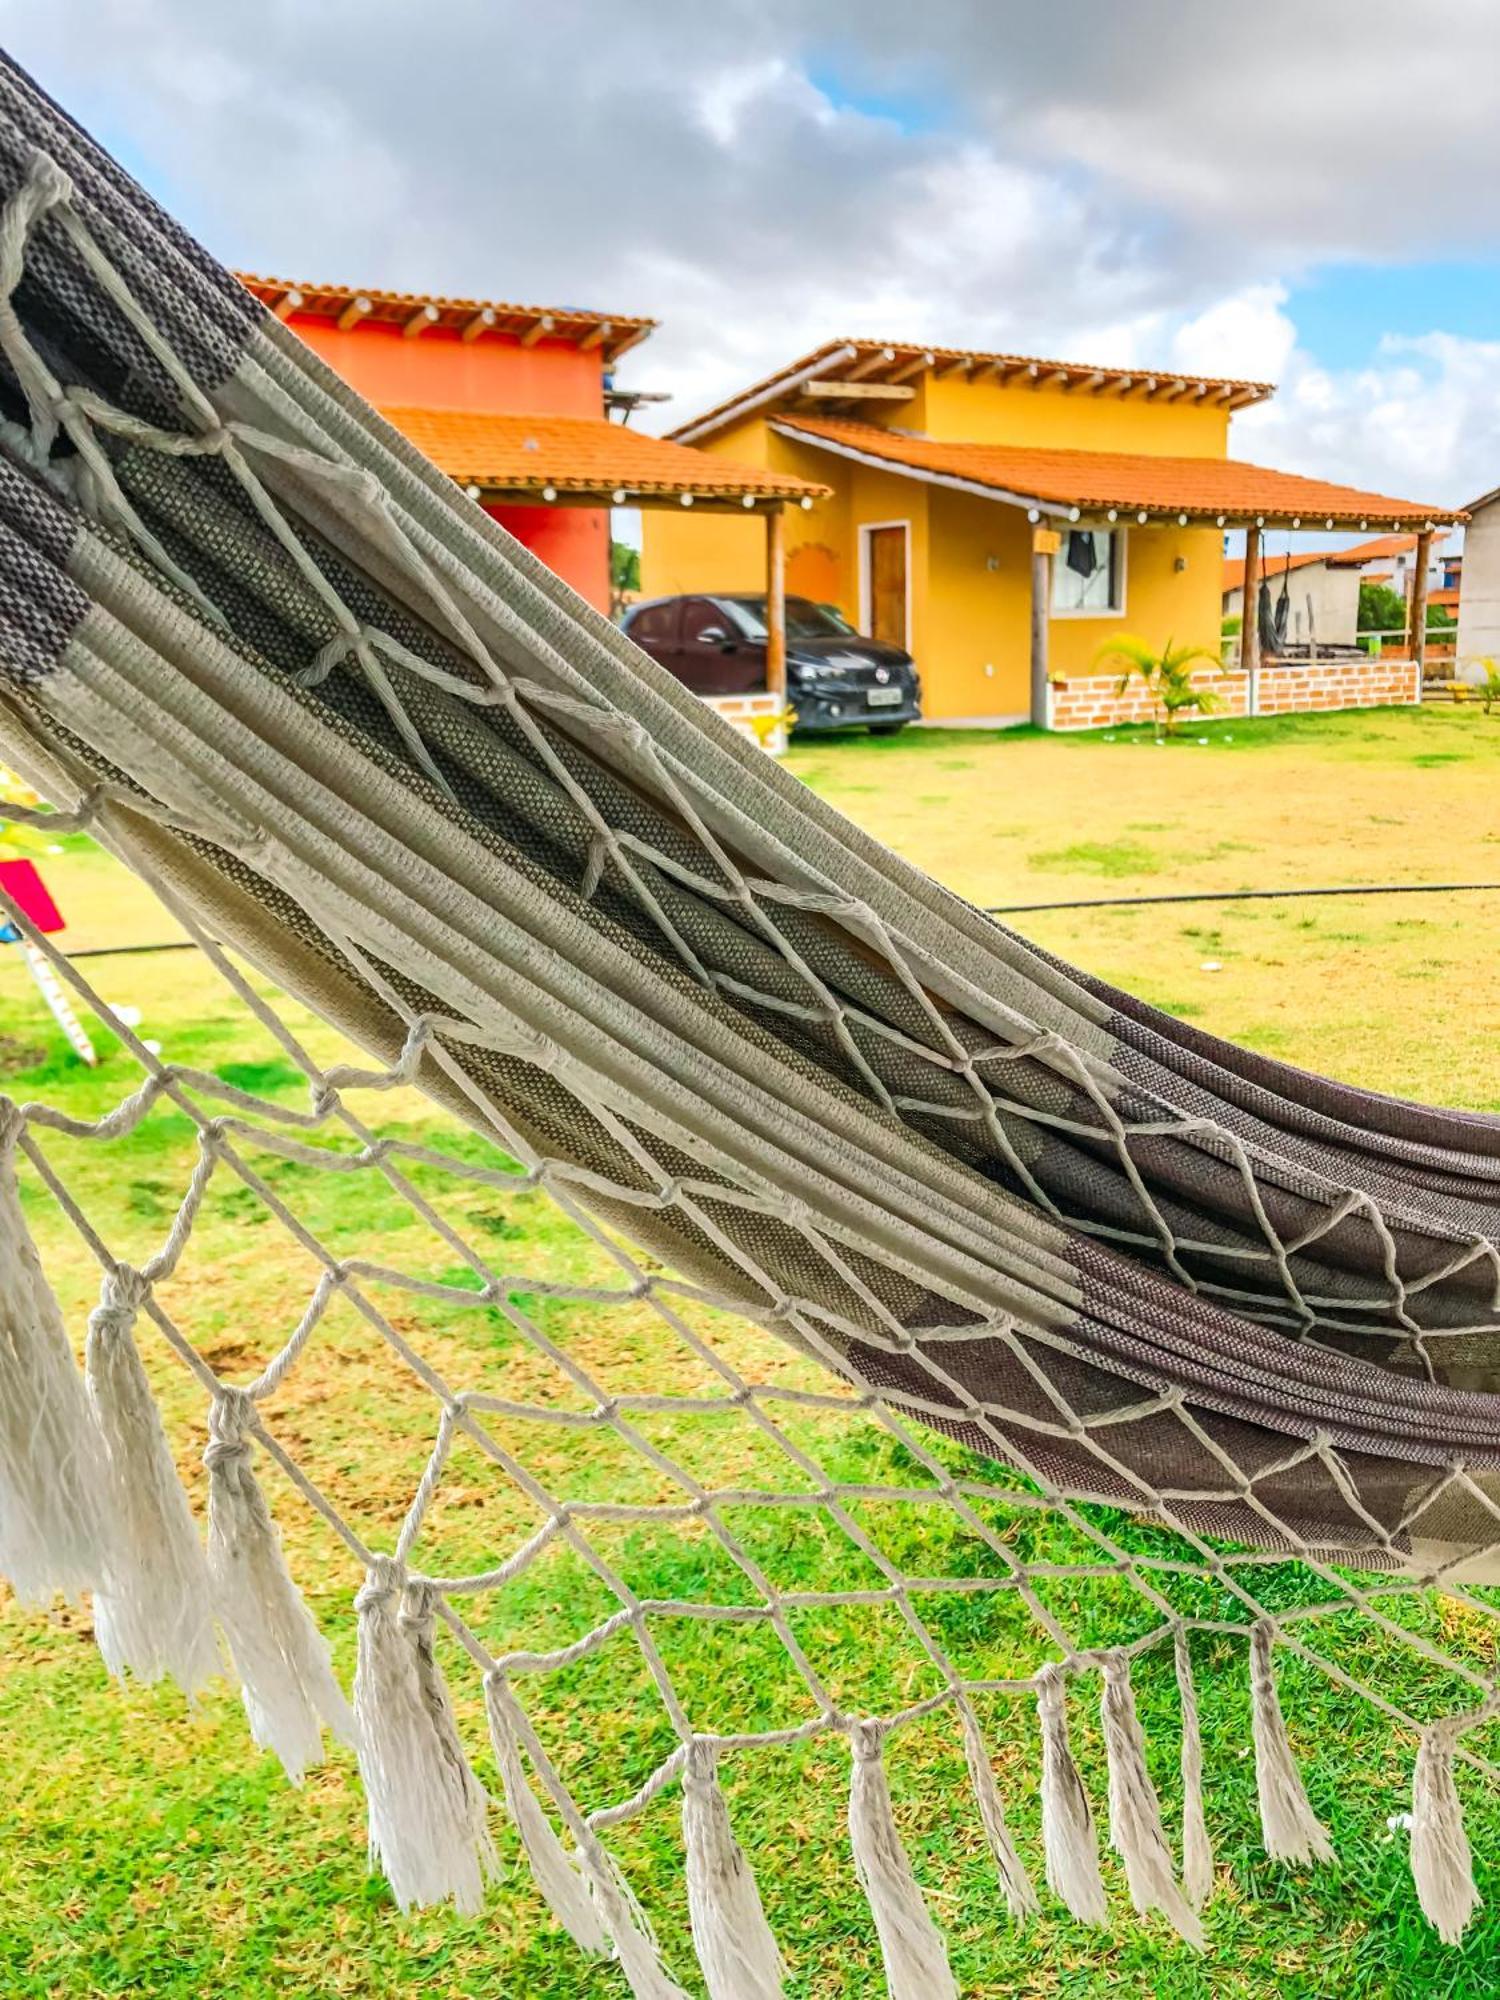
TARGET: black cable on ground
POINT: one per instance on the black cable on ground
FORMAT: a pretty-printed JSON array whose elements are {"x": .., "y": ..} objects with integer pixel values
[{"x": 1246, "y": 896}]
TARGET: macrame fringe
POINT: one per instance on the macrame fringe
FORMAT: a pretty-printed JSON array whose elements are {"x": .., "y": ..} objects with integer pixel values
[
  {"x": 1069, "y": 1839},
  {"x": 54, "y": 1517},
  {"x": 1020, "y": 1894},
  {"x": 559, "y": 1883},
  {"x": 426, "y": 1807},
  {"x": 1293, "y": 1832},
  {"x": 635, "y": 1947},
  {"x": 911, "y": 1946},
  {"x": 737, "y": 1953},
  {"x": 1197, "y": 1853},
  {"x": 1441, "y": 1865},
  {"x": 282, "y": 1659},
  {"x": 1135, "y": 1828},
  {"x": 153, "y": 1612}
]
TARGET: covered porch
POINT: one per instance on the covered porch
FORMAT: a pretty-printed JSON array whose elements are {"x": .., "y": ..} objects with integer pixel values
[
  {"x": 539, "y": 475},
  {"x": 1080, "y": 508}
]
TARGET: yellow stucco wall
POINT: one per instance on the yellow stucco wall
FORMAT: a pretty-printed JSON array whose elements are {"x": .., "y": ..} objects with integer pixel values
[
  {"x": 969, "y": 573},
  {"x": 987, "y": 412}
]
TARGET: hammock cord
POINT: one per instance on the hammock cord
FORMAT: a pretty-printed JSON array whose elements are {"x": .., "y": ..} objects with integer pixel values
[{"x": 983, "y": 1208}]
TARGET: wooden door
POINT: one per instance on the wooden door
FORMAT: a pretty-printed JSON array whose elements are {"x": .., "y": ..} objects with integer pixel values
[{"x": 886, "y": 556}]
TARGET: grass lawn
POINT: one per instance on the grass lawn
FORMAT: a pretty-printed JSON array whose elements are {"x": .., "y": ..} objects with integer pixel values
[{"x": 154, "y": 1851}]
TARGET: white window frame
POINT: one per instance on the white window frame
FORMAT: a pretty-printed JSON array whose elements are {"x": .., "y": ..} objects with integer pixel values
[
  {"x": 1117, "y": 610},
  {"x": 864, "y": 531}
]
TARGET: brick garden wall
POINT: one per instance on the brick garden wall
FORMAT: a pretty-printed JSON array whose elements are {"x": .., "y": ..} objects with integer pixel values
[{"x": 1300, "y": 686}]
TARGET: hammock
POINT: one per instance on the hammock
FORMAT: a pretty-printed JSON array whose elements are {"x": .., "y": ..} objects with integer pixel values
[{"x": 1075, "y": 1256}]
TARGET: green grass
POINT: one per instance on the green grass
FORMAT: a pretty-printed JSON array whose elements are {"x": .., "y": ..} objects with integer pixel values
[{"x": 153, "y": 1851}]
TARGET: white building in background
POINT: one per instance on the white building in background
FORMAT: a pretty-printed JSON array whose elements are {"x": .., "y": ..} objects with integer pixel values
[
  {"x": 1479, "y": 597},
  {"x": 1322, "y": 590}
]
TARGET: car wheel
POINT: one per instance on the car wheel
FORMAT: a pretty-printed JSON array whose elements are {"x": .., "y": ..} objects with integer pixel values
[{"x": 886, "y": 728}]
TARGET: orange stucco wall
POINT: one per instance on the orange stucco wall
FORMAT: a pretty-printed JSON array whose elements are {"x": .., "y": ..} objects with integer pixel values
[
  {"x": 573, "y": 541},
  {"x": 439, "y": 371}
]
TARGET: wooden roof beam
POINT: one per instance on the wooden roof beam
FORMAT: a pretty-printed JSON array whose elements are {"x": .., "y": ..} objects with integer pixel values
[
  {"x": 868, "y": 364},
  {"x": 287, "y": 304},
  {"x": 918, "y": 365},
  {"x": 953, "y": 369},
  {"x": 1090, "y": 384},
  {"x": 845, "y": 391},
  {"x": 596, "y": 335},
  {"x": 482, "y": 322},
  {"x": 353, "y": 313},
  {"x": 537, "y": 328},
  {"x": 421, "y": 319}
]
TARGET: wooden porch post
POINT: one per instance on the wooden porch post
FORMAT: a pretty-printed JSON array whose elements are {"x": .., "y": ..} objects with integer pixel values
[
  {"x": 1250, "y": 604},
  {"x": 776, "y": 599},
  {"x": 1041, "y": 610},
  {"x": 1416, "y": 628}
]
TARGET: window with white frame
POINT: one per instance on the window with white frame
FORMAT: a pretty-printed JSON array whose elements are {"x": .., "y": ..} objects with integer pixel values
[{"x": 1088, "y": 572}]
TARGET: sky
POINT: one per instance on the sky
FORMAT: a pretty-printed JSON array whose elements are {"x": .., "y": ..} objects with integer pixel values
[{"x": 1301, "y": 192}]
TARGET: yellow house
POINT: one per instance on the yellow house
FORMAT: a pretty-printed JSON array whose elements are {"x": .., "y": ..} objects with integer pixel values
[{"x": 1000, "y": 516}]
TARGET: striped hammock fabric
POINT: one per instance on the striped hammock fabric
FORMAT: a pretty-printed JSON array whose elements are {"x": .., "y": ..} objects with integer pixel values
[{"x": 1074, "y": 1253}]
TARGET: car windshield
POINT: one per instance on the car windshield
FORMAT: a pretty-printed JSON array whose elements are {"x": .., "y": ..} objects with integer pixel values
[{"x": 804, "y": 619}]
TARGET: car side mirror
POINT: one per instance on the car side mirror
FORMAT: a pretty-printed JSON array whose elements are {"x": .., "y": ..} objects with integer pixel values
[{"x": 713, "y": 635}]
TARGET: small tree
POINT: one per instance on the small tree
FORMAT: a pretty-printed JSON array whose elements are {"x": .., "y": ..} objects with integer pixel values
[
  {"x": 1487, "y": 687},
  {"x": 1168, "y": 676},
  {"x": 1381, "y": 609},
  {"x": 624, "y": 574}
]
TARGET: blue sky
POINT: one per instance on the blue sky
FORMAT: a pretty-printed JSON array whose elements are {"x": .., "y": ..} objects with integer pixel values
[{"x": 1085, "y": 179}]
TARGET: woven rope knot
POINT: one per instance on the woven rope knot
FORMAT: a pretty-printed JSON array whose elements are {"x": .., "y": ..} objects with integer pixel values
[
  {"x": 51, "y": 185},
  {"x": 866, "y": 1739},
  {"x": 700, "y": 1761},
  {"x": 12, "y": 1125},
  {"x": 230, "y": 1418},
  {"x": 121, "y": 1295},
  {"x": 384, "y": 1579},
  {"x": 418, "y": 1607}
]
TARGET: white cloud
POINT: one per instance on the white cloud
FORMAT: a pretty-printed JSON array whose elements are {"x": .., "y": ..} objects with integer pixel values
[{"x": 1128, "y": 184}]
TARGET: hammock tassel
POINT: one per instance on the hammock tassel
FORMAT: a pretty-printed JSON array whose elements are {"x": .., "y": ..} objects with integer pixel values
[
  {"x": 286, "y": 1675},
  {"x": 1197, "y": 1852},
  {"x": 1135, "y": 1828},
  {"x": 1441, "y": 1864},
  {"x": 153, "y": 1613},
  {"x": 1292, "y": 1830},
  {"x": 53, "y": 1511},
  {"x": 736, "y": 1950},
  {"x": 1020, "y": 1894},
  {"x": 1068, "y": 1835},
  {"x": 426, "y": 1807},
  {"x": 911, "y": 1946},
  {"x": 560, "y": 1885}
]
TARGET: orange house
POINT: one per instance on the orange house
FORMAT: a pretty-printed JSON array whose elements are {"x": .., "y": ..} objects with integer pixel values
[{"x": 511, "y": 402}]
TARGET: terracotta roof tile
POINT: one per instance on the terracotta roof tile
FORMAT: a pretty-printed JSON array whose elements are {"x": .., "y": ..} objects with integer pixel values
[
  {"x": 1277, "y": 565},
  {"x": 1383, "y": 548},
  {"x": 1202, "y": 488},
  {"x": 517, "y": 453},
  {"x": 875, "y": 360},
  {"x": 614, "y": 332}
]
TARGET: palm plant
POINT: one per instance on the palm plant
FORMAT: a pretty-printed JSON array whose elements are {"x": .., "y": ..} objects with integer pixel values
[
  {"x": 1168, "y": 676},
  {"x": 1487, "y": 687}
]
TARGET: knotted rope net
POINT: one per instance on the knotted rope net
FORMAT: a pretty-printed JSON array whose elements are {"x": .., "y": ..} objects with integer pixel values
[{"x": 1074, "y": 1340}]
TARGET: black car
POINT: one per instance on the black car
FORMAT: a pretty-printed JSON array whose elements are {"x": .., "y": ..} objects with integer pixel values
[{"x": 836, "y": 679}]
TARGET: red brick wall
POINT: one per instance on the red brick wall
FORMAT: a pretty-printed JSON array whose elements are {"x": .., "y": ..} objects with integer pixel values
[
  {"x": 1091, "y": 701},
  {"x": 1323, "y": 684}
]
